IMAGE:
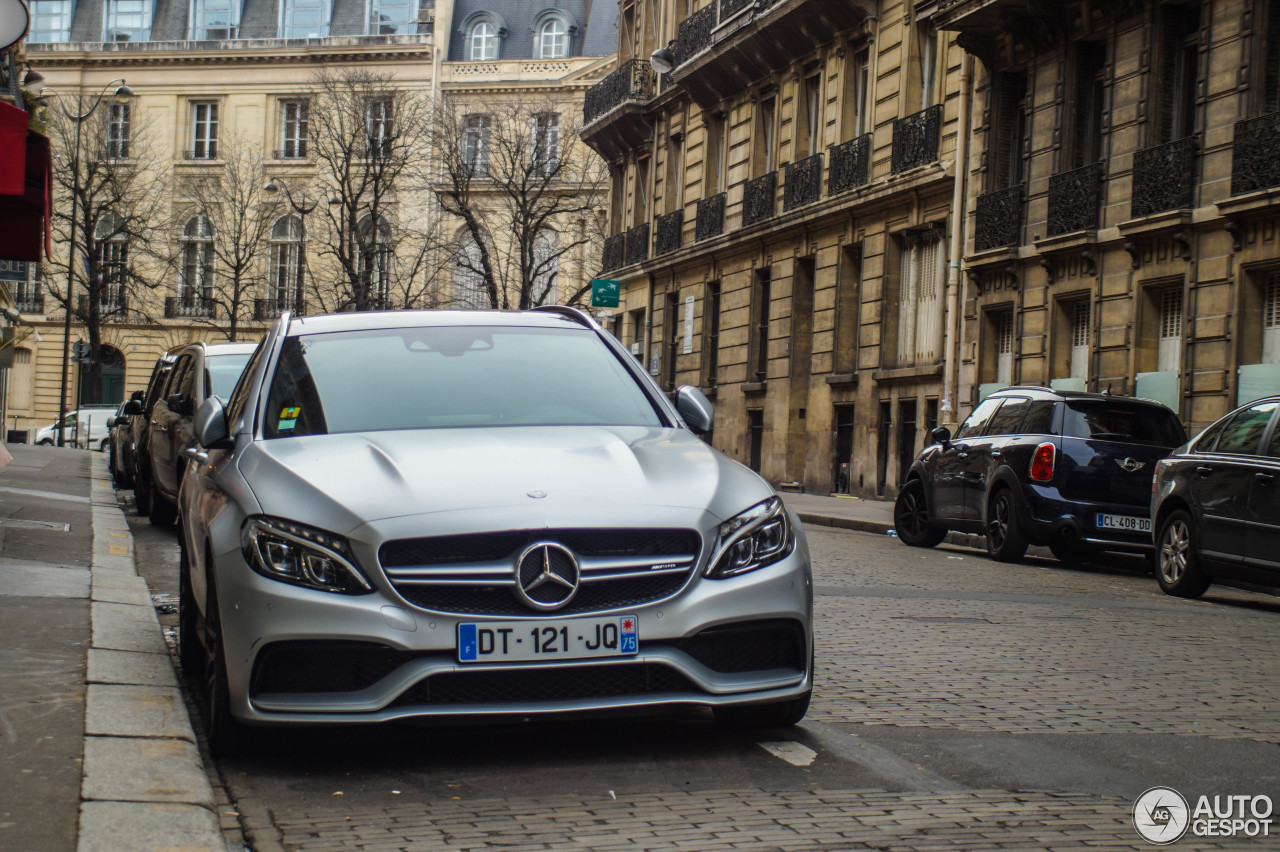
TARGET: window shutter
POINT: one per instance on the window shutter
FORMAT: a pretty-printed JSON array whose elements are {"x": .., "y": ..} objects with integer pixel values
[
  {"x": 1271, "y": 58},
  {"x": 1007, "y": 127},
  {"x": 1168, "y": 88}
]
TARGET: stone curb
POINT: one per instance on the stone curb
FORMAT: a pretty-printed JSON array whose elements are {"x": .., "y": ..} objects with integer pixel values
[{"x": 144, "y": 787}]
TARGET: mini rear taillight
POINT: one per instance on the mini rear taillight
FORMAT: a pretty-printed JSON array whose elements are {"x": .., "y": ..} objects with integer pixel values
[{"x": 1042, "y": 462}]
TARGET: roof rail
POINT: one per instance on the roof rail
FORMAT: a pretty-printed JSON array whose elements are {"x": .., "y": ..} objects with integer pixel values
[{"x": 576, "y": 314}]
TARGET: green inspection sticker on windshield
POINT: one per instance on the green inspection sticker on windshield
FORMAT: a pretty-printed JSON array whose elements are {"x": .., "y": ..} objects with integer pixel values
[{"x": 288, "y": 418}]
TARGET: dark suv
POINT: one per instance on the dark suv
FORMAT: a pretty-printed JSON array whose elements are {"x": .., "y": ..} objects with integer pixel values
[{"x": 1036, "y": 466}]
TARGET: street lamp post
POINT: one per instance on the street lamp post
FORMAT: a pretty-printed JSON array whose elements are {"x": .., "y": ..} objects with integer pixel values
[
  {"x": 272, "y": 189},
  {"x": 122, "y": 95}
]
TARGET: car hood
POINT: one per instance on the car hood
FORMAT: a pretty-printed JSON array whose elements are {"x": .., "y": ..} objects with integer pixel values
[{"x": 575, "y": 475}]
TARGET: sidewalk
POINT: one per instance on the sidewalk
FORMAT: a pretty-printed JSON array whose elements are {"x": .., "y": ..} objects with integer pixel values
[{"x": 97, "y": 753}]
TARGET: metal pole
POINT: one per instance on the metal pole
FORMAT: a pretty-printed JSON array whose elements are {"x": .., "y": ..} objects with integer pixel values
[{"x": 71, "y": 279}]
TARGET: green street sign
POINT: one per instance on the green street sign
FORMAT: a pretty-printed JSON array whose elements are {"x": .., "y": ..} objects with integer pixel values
[{"x": 604, "y": 293}]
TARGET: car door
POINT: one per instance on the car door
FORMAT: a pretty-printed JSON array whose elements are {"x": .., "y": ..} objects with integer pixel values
[
  {"x": 952, "y": 463},
  {"x": 986, "y": 454},
  {"x": 164, "y": 451},
  {"x": 1262, "y": 539},
  {"x": 1221, "y": 482}
]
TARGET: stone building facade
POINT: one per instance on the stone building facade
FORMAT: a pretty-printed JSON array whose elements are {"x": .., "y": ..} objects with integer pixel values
[{"x": 782, "y": 225}]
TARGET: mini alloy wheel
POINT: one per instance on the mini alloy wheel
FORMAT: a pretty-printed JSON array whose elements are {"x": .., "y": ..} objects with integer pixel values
[
  {"x": 1005, "y": 539},
  {"x": 911, "y": 517},
  {"x": 1177, "y": 564}
]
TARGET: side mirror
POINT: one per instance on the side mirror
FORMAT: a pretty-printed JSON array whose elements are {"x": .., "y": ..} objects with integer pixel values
[
  {"x": 111, "y": 422},
  {"x": 179, "y": 404},
  {"x": 133, "y": 407},
  {"x": 695, "y": 408},
  {"x": 137, "y": 396},
  {"x": 210, "y": 425},
  {"x": 941, "y": 435}
]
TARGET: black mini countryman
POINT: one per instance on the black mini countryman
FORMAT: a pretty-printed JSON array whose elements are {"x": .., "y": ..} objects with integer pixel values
[{"x": 1032, "y": 465}]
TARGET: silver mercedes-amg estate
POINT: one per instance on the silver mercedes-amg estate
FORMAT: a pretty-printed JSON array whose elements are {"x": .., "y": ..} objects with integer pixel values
[{"x": 478, "y": 514}]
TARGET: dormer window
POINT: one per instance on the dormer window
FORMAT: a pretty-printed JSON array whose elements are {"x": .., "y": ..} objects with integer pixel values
[
  {"x": 392, "y": 17},
  {"x": 50, "y": 21},
  {"x": 553, "y": 31},
  {"x": 305, "y": 19},
  {"x": 482, "y": 42},
  {"x": 128, "y": 20},
  {"x": 215, "y": 20}
]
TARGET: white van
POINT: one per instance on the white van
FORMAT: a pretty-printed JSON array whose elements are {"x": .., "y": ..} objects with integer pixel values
[{"x": 85, "y": 428}]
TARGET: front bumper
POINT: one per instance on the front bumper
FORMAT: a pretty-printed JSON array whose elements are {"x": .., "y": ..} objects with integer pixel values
[
  {"x": 1048, "y": 517},
  {"x": 405, "y": 664}
]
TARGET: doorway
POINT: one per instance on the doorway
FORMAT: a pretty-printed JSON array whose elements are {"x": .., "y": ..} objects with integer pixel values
[{"x": 842, "y": 468}]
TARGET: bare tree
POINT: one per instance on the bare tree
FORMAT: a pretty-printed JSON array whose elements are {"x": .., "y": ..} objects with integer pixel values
[
  {"x": 522, "y": 197},
  {"x": 224, "y": 230},
  {"x": 369, "y": 138},
  {"x": 103, "y": 270}
]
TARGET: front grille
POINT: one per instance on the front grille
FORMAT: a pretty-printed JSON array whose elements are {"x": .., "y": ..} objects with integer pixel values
[
  {"x": 474, "y": 574},
  {"x": 323, "y": 666},
  {"x": 752, "y": 646},
  {"x": 545, "y": 684}
]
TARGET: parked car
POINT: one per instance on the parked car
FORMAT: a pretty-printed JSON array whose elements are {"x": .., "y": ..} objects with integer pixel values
[
  {"x": 200, "y": 370},
  {"x": 412, "y": 514},
  {"x": 139, "y": 412},
  {"x": 1031, "y": 465},
  {"x": 119, "y": 437},
  {"x": 85, "y": 427},
  {"x": 1216, "y": 505}
]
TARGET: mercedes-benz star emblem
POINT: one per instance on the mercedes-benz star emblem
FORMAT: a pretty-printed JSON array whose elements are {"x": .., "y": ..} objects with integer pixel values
[
  {"x": 547, "y": 575},
  {"x": 1132, "y": 465}
]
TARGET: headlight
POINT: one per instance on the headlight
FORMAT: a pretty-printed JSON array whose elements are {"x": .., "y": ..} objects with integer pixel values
[
  {"x": 758, "y": 537},
  {"x": 301, "y": 555}
]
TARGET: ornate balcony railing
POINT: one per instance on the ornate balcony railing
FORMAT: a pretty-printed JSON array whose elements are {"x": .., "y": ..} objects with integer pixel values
[
  {"x": 611, "y": 256},
  {"x": 1254, "y": 164},
  {"x": 710, "y": 217},
  {"x": 915, "y": 139},
  {"x": 757, "y": 199},
  {"x": 999, "y": 219},
  {"x": 637, "y": 248},
  {"x": 668, "y": 232},
  {"x": 209, "y": 152},
  {"x": 297, "y": 152},
  {"x": 803, "y": 182},
  {"x": 109, "y": 302},
  {"x": 850, "y": 165},
  {"x": 694, "y": 35},
  {"x": 269, "y": 309},
  {"x": 1164, "y": 177},
  {"x": 1075, "y": 200},
  {"x": 30, "y": 304},
  {"x": 180, "y": 307},
  {"x": 630, "y": 81},
  {"x": 729, "y": 8}
]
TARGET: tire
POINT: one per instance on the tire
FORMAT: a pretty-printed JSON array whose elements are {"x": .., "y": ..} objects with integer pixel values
[
  {"x": 46, "y": 443},
  {"x": 779, "y": 714},
  {"x": 1178, "y": 569},
  {"x": 1070, "y": 552},
  {"x": 226, "y": 735},
  {"x": 142, "y": 491},
  {"x": 190, "y": 652},
  {"x": 911, "y": 517},
  {"x": 161, "y": 512},
  {"x": 1006, "y": 542},
  {"x": 102, "y": 447}
]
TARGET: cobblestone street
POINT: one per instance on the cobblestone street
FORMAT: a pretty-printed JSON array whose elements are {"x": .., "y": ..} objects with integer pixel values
[{"x": 960, "y": 703}]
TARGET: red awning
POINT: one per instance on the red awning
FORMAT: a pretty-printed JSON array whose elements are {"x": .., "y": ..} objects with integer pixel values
[
  {"x": 24, "y": 216},
  {"x": 13, "y": 148}
]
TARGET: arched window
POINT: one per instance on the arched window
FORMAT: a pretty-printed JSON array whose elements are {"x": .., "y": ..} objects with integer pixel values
[
  {"x": 112, "y": 248},
  {"x": 195, "y": 287},
  {"x": 287, "y": 263},
  {"x": 376, "y": 246},
  {"x": 553, "y": 39},
  {"x": 469, "y": 290},
  {"x": 546, "y": 268},
  {"x": 482, "y": 41}
]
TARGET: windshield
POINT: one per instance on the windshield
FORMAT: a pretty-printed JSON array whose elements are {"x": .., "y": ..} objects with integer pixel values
[
  {"x": 1110, "y": 421},
  {"x": 222, "y": 372},
  {"x": 438, "y": 377}
]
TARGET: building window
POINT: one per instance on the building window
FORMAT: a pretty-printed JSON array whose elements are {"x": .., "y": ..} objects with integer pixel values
[
  {"x": 391, "y": 17},
  {"x": 553, "y": 39},
  {"x": 927, "y": 63},
  {"x": 761, "y": 303},
  {"x": 293, "y": 129},
  {"x": 1269, "y": 60},
  {"x": 714, "y": 152},
  {"x": 215, "y": 20},
  {"x": 641, "y": 210},
  {"x": 113, "y": 260},
  {"x": 812, "y": 140},
  {"x": 1169, "y": 354},
  {"x": 482, "y": 42},
  {"x": 546, "y": 142},
  {"x": 196, "y": 284},
  {"x": 1271, "y": 320},
  {"x": 857, "y": 73},
  {"x": 1175, "y": 91},
  {"x": 116, "y": 145},
  {"x": 1086, "y": 106},
  {"x": 127, "y": 20},
  {"x": 469, "y": 289},
  {"x": 204, "y": 131},
  {"x": 919, "y": 298},
  {"x": 375, "y": 259},
  {"x": 377, "y": 119},
  {"x": 1079, "y": 364},
  {"x": 674, "y": 185},
  {"x": 287, "y": 247},
  {"x": 304, "y": 19},
  {"x": 50, "y": 21},
  {"x": 546, "y": 268},
  {"x": 670, "y": 337},
  {"x": 1007, "y": 132},
  {"x": 711, "y": 343},
  {"x": 477, "y": 130},
  {"x": 766, "y": 116},
  {"x": 1004, "y": 348}
]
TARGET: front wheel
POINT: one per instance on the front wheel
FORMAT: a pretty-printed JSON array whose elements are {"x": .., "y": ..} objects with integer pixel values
[
  {"x": 226, "y": 734},
  {"x": 161, "y": 512},
  {"x": 1005, "y": 540},
  {"x": 45, "y": 442},
  {"x": 102, "y": 447},
  {"x": 779, "y": 714},
  {"x": 190, "y": 651},
  {"x": 911, "y": 517},
  {"x": 1178, "y": 568},
  {"x": 142, "y": 491}
]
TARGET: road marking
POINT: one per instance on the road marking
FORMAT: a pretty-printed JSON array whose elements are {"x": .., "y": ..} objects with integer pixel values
[
  {"x": 48, "y": 495},
  {"x": 879, "y": 760},
  {"x": 792, "y": 752},
  {"x": 34, "y": 525}
]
